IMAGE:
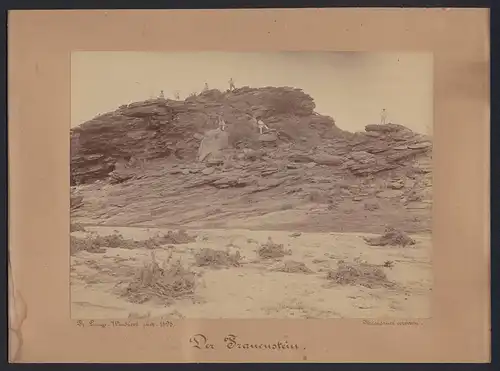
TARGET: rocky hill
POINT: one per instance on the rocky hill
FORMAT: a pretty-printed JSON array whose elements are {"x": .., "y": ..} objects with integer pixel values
[
  {"x": 163, "y": 128},
  {"x": 165, "y": 162}
]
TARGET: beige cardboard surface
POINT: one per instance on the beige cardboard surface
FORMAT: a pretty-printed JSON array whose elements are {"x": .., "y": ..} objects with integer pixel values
[{"x": 40, "y": 45}]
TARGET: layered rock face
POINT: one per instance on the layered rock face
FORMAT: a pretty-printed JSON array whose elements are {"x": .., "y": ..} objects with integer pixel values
[
  {"x": 168, "y": 160},
  {"x": 165, "y": 129}
]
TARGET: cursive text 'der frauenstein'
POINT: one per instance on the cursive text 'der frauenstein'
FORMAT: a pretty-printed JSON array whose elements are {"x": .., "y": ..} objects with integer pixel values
[{"x": 232, "y": 341}]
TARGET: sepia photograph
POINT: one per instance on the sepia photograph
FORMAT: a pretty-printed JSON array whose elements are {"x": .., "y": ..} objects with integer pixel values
[{"x": 246, "y": 185}]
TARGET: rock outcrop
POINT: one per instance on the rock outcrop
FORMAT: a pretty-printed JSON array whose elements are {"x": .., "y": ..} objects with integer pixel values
[
  {"x": 160, "y": 152},
  {"x": 162, "y": 128}
]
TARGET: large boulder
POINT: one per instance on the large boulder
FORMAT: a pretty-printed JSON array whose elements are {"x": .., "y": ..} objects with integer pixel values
[{"x": 212, "y": 146}]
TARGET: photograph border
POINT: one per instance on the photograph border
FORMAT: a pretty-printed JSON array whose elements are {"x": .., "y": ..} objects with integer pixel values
[{"x": 38, "y": 61}]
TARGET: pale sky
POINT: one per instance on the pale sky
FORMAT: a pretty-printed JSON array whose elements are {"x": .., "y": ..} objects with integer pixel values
[{"x": 351, "y": 87}]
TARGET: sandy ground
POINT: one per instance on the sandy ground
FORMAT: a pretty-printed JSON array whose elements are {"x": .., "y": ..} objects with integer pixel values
[{"x": 255, "y": 289}]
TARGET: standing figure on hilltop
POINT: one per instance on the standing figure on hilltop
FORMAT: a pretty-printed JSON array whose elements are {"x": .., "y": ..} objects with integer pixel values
[
  {"x": 177, "y": 95},
  {"x": 231, "y": 84},
  {"x": 205, "y": 88},
  {"x": 162, "y": 96},
  {"x": 383, "y": 117}
]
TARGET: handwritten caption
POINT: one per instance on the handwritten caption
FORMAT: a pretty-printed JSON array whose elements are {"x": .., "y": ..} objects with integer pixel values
[
  {"x": 390, "y": 323},
  {"x": 198, "y": 341},
  {"x": 230, "y": 341},
  {"x": 126, "y": 323}
]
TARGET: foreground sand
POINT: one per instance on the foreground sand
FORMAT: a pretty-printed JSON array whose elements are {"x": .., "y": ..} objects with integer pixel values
[{"x": 255, "y": 290}]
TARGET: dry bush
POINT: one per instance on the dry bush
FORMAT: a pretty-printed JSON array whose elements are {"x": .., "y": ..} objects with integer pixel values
[
  {"x": 291, "y": 266},
  {"x": 391, "y": 237},
  {"x": 115, "y": 241},
  {"x": 174, "y": 238},
  {"x": 217, "y": 258},
  {"x": 271, "y": 250},
  {"x": 76, "y": 227},
  {"x": 168, "y": 282},
  {"x": 97, "y": 244},
  {"x": 362, "y": 274},
  {"x": 88, "y": 244}
]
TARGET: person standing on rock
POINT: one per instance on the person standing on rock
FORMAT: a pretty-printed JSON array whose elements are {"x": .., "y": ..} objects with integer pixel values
[
  {"x": 206, "y": 87},
  {"x": 222, "y": 124},
  {"x": 383, "y": 117},
  {"x": 162, "y": 96},
  {"x": 261, "y": 126},
  {"x": 231, "y": 84}
]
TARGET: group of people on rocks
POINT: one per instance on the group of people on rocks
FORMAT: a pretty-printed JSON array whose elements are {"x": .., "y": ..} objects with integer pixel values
[
  {"x": 255, "y": 121},
  {"x": 205, "y": 89},
  {"x": 231, "y": 85},
  {"x": 262, "y": 127}
]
